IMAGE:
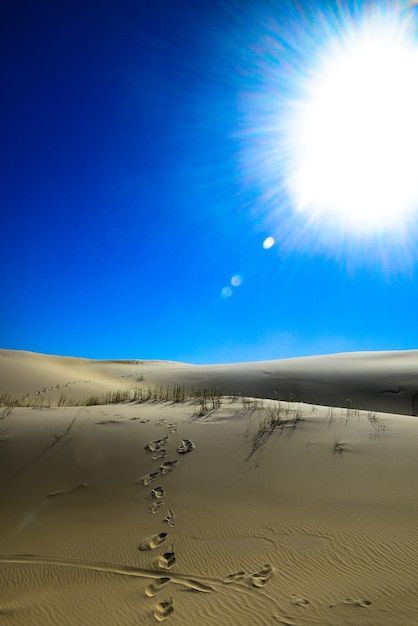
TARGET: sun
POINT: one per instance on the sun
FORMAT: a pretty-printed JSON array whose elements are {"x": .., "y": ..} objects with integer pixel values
[{"x": 352, "y": 135}]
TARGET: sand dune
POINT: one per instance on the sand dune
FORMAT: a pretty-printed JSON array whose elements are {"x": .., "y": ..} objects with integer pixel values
[
  {"x": 248, "y": 511},
  {"x": 384, "y": 381}
]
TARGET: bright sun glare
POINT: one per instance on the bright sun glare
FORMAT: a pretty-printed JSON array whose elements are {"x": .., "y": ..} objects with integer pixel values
[{"x": 353, "y": 139}]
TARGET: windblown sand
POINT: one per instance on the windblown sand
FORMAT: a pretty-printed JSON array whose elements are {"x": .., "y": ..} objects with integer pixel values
[{"x": 255, "y": 512}]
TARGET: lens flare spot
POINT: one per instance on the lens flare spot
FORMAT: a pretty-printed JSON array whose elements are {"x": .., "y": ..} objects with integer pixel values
[
  {"x": 226, "y": 292},
  {"x": 268, "y": 243},
  {"x": 236, "y": 280}
]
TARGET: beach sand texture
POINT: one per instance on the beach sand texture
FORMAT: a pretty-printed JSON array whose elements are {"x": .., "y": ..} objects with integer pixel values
[{"x": 235, "y": 507}]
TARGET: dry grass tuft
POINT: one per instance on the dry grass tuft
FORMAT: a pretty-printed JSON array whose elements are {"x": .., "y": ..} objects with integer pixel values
[{"x": 340, "y": 447}]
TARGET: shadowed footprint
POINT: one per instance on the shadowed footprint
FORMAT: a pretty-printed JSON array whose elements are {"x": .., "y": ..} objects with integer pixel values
[
  {"x": 163, "y": 610},
  {"x": 160, "y": 454},
  {"x": 156, "y": 586},
  {"x": 300, "y": 601},
  {"x": 157, "y": 493},
  {"x": 168, "y": 466},
  {"x": 172, "y": 427},
  {"x": 196, "y": 585},
  {"x": 364, "y": 604},
  {"x": 231, "y": 578},
  {"x": 186, "y": 446},
  {"x": 170, "y": 519},
  {"x": 155, "y": 506},
  {"x": 259, "y": 579},
  {"x": 149, "y": 478},
  {"x": 157, "y": 444},
  {"x": 167, "y": 560},
  {"x": 152, "y": 542}
]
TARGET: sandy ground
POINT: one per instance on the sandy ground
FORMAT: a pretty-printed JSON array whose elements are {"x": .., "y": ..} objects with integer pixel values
[{"x": 257, "y": 511}]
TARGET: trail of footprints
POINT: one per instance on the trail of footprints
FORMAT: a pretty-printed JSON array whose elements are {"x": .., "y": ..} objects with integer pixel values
[
  {"x": 166, "y": 560},
  {"x": 39, "y": 392},
  {"x": 156, "y": 496}
]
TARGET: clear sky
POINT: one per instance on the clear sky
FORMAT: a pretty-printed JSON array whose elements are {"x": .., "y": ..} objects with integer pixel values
[{"x": 143, "y": 167}]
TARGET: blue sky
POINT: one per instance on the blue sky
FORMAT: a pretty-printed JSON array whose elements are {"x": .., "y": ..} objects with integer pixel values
[{"x": 135, "y": 196}]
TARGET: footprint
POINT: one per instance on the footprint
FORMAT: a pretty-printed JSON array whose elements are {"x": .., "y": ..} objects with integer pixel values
[
  {"x": 362, "y": 603},
  {"x": 196, "y": 585},
  {"x": 157, "y": 493},
  {"x": 170, "y": 519},
  {"x": 156, "y": 444},
  {"x": 259, "y": 579},
  {"x": 167, "y": 560},
  {"x": 149, "y": 478},
  {"x": 172, "y": 427},
  {"x": 231, "y": 578},
  {"x": 163, "y": 610},
  {"x": 186, "y": 446},
  {"x": 152, "y": 542},
  {"x": 168, "y": 466},
  {"x": 299, "y": 601},
  {"x": 155, "y": 506},
  {"x": 159, "y": 454},
  {"x": 156, "y": 586}
]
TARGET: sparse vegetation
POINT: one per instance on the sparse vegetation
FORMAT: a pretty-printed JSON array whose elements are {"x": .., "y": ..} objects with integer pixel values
[
  {"x": 340, "y": 447},
  {"x": 414, "y": 400},
  {"x": 276, "y": 420},
  {"x": 6, "y": 399},
  {"x": 250, "y": 405},
  {"x": 379, "y": 427},
  {"x": 330, "y": 415},
  {"x": 208, "y": 398},
  {"x": 7, "y": 404},
  {"x": 263, "y": 434}
]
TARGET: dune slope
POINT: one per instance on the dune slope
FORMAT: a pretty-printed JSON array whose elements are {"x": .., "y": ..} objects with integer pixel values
[
  {"x": 239, "y": 511},
  {"x": 383, "y": 381}
]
